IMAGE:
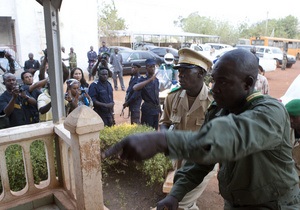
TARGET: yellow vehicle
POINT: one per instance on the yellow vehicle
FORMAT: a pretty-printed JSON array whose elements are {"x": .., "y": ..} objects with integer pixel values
[{"x": 291, "y": 45}]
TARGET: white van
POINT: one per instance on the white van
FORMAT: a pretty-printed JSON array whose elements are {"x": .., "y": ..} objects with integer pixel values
[
  {"x": 276, "y": 54},
  {"x": 204, "y": 49},
  {"x": 218, "y": 46}
]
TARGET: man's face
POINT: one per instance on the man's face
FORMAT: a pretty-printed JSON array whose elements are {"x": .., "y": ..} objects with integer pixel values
[
  {"x": 103, "y": 75},
  {"x": 27, "y": 79},
  {"x": 10, "y": 82},
  {"x": 103, "y": 44},
  {"x": 150, "y": 69},
  {"x": 295, "y": 122},
  {"x": 189, "y": 77},
  {"x": 134, "y": 69},
  {"x": 30, "y": 55},
  {"x": 228, "y": 87}
]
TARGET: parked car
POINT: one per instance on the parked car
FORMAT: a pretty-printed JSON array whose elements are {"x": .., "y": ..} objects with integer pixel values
[
  {"x": 161, "y": 51},
  {"x": 138, "y": 56},
  {"x": 218, "y": 46},
  {"x": 121, "y": 48},
  {"x": 276, "y": 54},
  {"x": 267, "y": 64}
]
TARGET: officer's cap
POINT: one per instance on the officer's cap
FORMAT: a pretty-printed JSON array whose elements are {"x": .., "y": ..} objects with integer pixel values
[
  {"x": 136, "y": 65},
  {"x": 150, "y": 61},
  {"x": 189, "y": 58}
]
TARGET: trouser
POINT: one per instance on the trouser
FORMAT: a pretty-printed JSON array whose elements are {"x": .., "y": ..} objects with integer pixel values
[
  {"x": 189, "y": 200},
  {"x": 119, "y": 74},
  {"x": 151, "y": 120},
  {"x": 289, "y": 201},
  {"x": 135, "y": 117},
  {"x": 283, "y": 66}
]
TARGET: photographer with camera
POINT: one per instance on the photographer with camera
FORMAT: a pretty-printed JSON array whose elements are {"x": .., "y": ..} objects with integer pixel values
[
  {"x": 14, "y": 103},
  {"x": 76, "y": 96},
  {"x": 102, "y": 61}
]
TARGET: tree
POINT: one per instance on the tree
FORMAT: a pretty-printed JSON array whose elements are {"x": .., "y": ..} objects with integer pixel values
[
  {"x": 287, "y": 27},
  {"x": 109, "y": 20}
]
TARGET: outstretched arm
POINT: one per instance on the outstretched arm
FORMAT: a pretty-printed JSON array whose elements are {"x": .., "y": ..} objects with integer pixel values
[
  {"x": 141, "y": 85},
  {"x": 139, "y": 146}
]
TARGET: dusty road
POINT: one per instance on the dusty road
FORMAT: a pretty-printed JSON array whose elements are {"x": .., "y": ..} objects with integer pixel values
[{"x": 279, "y": 82}]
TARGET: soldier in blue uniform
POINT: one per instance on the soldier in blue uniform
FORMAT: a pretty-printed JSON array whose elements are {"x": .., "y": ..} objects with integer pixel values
[
  {"x": 247, "y": 132},
  {"x": 149, "y": 89},
  {"x": 133, "y": 98},
  {"x": 101, "y": 93}
]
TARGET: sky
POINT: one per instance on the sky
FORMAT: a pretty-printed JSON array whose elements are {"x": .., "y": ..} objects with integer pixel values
[{"x": 158, "y": 15}]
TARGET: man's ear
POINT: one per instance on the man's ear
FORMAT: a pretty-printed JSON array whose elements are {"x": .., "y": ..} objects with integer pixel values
[{"x": 249, "y": 82}]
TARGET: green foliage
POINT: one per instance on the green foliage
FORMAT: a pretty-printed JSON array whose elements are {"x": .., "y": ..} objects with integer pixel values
[
  {"x": 109, "y": 20},
  {"x": 39, "y": 161},
  {"x": 16, "y": 169},
  {"x": 287, "y": 27},
  {"x": 155, "y": 168}
]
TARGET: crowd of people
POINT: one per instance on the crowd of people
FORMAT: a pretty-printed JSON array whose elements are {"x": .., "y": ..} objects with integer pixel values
[{"x": 230, "y": 127}]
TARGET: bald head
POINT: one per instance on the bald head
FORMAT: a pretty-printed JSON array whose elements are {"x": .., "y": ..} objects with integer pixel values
[
  {"x": 243, "y": 62},
  {"x": 234, "y": 76}
]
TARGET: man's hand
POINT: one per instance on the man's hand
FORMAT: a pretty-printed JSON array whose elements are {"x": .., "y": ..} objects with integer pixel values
[
  {"x": 125, "y": 105},
  {"x": 168, "y": 203},
  {"x": 139, "y": 146}
]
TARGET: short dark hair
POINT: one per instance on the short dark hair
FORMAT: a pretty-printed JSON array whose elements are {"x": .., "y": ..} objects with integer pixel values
[{"x": 24, "y": 72}]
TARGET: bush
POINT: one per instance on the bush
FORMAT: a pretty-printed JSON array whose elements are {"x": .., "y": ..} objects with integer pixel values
[
  {"x": 155, "y": 168},
  {"x": 16, "y": 168}
]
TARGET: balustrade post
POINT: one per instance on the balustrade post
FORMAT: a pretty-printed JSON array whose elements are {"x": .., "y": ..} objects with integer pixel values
[{"x": 84, "y": 125}]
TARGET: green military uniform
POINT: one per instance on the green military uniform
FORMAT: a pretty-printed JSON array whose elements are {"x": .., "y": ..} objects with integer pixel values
[
  {"x": 73, "y": 60},
  {"x": 177, "y": 112},
  {"x": 254, "y": 152}
]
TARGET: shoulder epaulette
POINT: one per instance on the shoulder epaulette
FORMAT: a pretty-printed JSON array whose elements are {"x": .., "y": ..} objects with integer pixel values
[{"x": 175, "y": 89}]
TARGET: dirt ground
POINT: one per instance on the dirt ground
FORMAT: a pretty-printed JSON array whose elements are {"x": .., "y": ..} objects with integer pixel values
[{"x": 128, "y": 192}]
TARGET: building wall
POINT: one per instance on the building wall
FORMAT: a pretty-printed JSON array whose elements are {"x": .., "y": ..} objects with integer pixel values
[{"x": 78, "y": 27}]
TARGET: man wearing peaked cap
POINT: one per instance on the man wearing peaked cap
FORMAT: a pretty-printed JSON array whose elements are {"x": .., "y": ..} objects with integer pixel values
[
  {"x": 148, "y": 87},
  {"x": 293, "y": 108},
  {"x": 189, "y": 58},
  {"x": 189, "y": 104}
]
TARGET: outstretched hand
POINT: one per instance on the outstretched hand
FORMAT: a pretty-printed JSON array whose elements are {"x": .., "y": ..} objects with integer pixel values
[
  {"x": 138, "y": 146},
  {"x": 168, "y": 203}
]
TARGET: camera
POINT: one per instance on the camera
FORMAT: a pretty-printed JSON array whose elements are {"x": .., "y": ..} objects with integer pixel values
[{"x": 21, "y": 89}]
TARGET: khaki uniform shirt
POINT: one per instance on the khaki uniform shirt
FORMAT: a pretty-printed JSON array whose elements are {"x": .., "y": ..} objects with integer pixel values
[{"x": 176, "y": 110}]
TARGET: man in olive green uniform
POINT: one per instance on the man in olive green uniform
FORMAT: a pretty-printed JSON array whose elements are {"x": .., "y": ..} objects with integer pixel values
[
  {"x": 246, "y": 132},
  {"x": 293, "y": 108},
  {"x": 185, "y": 107}
]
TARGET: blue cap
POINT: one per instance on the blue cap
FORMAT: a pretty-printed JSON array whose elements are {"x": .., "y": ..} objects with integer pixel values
[{"x": 150, "y": 61}]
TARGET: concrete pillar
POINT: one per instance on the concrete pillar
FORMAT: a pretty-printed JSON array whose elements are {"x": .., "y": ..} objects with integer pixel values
[{"x": 84, "y": 125}]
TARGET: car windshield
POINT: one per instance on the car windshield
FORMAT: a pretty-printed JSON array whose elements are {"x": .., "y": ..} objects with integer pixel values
[{"x": 276, "y": 51}]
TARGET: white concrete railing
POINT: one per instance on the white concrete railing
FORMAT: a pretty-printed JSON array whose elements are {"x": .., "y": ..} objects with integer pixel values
[{"x": 77, "y": 156}]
